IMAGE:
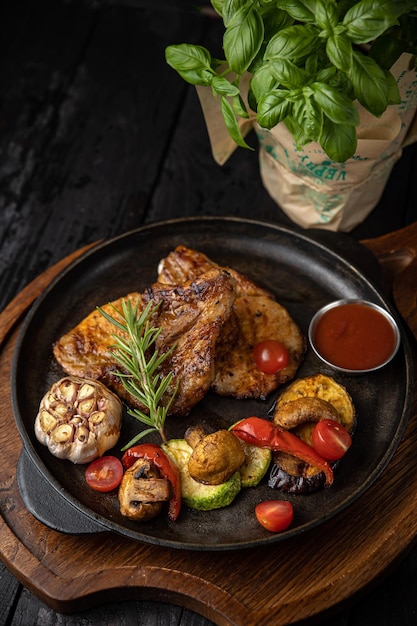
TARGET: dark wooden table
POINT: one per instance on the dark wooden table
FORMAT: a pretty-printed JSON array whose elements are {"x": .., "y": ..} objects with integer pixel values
[{"x": 98, "y": 136}]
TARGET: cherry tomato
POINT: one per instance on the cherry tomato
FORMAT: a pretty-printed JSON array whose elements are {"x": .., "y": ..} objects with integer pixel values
[
  {"x": 104, "y": 474},
  {"x": 331, "y": 440},
  {"x": 274, "y": 515},
  {"x": 270, "y": 356}
]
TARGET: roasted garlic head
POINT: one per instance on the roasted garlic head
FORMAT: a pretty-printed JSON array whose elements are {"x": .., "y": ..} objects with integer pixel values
[{"x": 79, "y": 419}]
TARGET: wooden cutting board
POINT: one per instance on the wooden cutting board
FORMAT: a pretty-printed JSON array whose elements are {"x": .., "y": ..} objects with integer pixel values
[{"x": 288, "y": 582}]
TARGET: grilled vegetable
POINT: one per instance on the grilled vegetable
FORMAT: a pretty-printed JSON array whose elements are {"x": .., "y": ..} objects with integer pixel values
[
  {"x": 331, "y": 439},
  {"x": 215, "y": 456},
  {"x": 195, "y": 494},
  {"x": 255, "y": 466},
  {"x": 274, "y": 515},
  {"x": 299, "y": 408},
  {"x": 154, "y": 453},
  {"x": 104, "y": 474},
  {"x": 143, "y": 491},
  {"x": 322, "y": 387},
  {"x": 264, "y": 434},
  {"x": 78, "y": 419}
]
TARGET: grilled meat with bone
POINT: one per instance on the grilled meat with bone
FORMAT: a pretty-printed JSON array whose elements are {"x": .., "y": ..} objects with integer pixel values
[
  {"x": 191, "y": 316},
  {"x": 256, "y": 316}
]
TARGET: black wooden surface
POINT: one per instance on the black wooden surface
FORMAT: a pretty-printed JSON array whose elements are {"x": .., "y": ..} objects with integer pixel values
[{"x": 98, "y": 136}]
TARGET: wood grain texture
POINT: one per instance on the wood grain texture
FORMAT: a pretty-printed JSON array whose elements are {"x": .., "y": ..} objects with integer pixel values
[
  {"x": 397, "y": 255},
  {"x": 62, "y": 569}
]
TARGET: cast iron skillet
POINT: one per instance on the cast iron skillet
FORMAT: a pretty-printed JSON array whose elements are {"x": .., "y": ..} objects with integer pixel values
[{"x": 304, "y": 274}]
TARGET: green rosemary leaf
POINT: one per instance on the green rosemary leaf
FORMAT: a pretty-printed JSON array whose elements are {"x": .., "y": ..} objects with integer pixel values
[
  {"x": 139, "y": 364},
  {"x": 137, "y": 438}
]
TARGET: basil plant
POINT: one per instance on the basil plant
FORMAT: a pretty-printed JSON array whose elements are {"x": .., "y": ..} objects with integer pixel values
[{"x": 309, "y": 61}]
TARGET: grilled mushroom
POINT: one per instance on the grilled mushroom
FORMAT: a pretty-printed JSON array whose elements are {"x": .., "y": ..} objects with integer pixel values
[
  {"x": 142, "y": 491},
  {"x": 78, "y": 419},
  {"x": 305, "y": 410},
  {"x": 215, "y": 457}
]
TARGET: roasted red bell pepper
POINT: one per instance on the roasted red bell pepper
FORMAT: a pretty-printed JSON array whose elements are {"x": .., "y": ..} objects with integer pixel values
[
  {"x": 265, "y": 434},
  {"x": 153, "y": 453}
]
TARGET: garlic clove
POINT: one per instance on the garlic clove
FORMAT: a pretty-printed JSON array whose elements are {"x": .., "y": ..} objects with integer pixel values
[
  {"x": 47, "y": 421},
  {"x": 86, "y": 391},
  {"x": 67, "y": 390},
  {"x": 85, "y": 407},
  {"x": 62, "y": 433}
]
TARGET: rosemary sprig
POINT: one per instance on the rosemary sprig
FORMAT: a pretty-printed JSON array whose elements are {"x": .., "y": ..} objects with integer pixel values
[{"x": 139, "y": 374}]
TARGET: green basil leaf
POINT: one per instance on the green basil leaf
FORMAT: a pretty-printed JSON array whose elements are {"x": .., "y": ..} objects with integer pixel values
[
  {"x": 387, "y": 49},
  {"x": 343, "y": 6},
  {"x": 292, "y": 43},
  {"x": 252, "y": 101},
  {"x": 394, "y": 96},
  {"x": 338, "y": 141},
  {"x": 232, "y": 125},
  {"x": 296, "y": 131},
  {"x": 369, "y": 83},
  {"x": 339, "y": 51},
  {"x": 273, "y": 108},
  {"x": 230, "y": 7},
  {"x": 326, "y": 15},
  {"x": 223, "y": 87},
  {"x": 274, "y": 20},
  {"x": 336, "y": 105},
  {"x": 218, "y": 6},
  {"x": 184, "y": 57},
  {"x": 326, "y": 74},
  {"x": 239, "y": 106},
  {"x": 317, "y": 60},
  {"x": 300, "y": 10},
  {"x": 195, "y": 77},
  {"x": 243, "y": 39},
  {"x": 262, "y": 81},
  {"x": 368, "y": 19},
  {"x": 309, "y": 117},
  {"x": 339, "y": 81},
  {"x": 288, "y": 74}
]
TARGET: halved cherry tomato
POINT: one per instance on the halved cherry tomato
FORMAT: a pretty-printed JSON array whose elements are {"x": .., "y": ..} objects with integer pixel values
[
  {"x": 104, "y": 474},
  {"x": 274, "y": 515},
  {"x": 331, "y": 440},
  {"x": 270, "y": 356}
]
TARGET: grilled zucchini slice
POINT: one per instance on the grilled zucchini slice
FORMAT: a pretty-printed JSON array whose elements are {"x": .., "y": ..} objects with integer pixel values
[
  {"x": 194, "y": 494},
  {"x": 255, "y": 466}
]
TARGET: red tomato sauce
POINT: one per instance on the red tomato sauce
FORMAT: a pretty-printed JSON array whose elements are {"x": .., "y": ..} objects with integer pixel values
[{"x": 354, "y": 336}]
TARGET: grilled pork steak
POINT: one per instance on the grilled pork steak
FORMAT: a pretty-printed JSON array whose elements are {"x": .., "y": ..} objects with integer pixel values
[
  {"x": 191, "y": 316},
  {"x": 255, "y": 316}
]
